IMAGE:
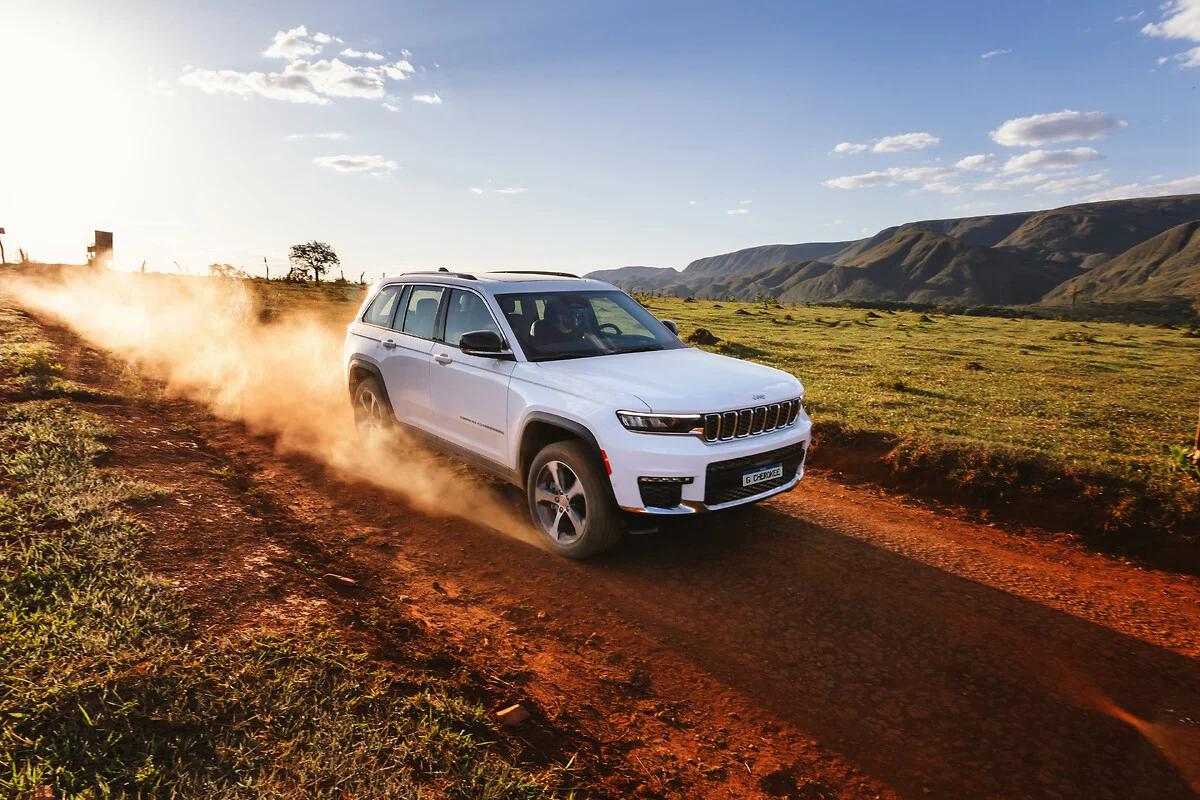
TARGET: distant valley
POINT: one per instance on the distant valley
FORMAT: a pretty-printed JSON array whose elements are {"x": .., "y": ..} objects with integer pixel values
[{"x": 1142, "y": 252}]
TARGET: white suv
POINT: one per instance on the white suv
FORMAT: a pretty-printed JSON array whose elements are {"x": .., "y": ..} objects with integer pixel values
[{"x": 571, "y": 389}]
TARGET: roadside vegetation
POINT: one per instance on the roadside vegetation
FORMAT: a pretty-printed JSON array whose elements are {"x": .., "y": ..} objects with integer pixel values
[
  {"x": 1002, "y": 409},
  {"x": 106, "y": 689}
]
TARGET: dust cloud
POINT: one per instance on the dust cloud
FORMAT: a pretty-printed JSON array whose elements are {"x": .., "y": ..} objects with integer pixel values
[{"x": 206, "y": 340}]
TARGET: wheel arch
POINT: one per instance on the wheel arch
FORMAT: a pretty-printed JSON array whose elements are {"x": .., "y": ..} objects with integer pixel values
[
  {"x": 541, "y": 428},
  {"x": 360, "y": 369}
]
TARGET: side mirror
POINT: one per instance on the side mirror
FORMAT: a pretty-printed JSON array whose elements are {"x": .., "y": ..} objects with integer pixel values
[
  {"x": 481, "y": 343},
  {"x": 671, "y": 326}
]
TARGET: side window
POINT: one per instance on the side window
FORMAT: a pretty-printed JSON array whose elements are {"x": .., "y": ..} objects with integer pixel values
[
  {"x": 383, "y": 307},
  {"x": 401, "y": 304},
  {"x": 422, "y": 311},
  {"x": 467, "y": 312}
]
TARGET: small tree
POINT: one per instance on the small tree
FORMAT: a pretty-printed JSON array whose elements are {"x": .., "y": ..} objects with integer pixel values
[
  {"x": 315, "y": 257},
  {"x": 221, "y": 271}
]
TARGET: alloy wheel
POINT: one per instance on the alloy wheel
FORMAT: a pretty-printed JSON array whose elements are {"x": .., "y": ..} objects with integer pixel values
[
  {"x": 561, "y": 502},
  {"x": 368, "y": 417}
]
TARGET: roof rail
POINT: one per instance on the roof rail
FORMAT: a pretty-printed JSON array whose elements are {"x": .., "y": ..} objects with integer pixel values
[
  {"x": 535, "y": 272},
  {"x": 440, "y": 272}
]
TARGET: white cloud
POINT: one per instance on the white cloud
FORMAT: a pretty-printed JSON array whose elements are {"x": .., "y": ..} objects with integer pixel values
[
  {"x": 980, "y": 163},
  {"x": 350, "y": 52},
  {"x": 1001, "y": 184},
  {"x": 745, "y": 202},
  {"x": 1161, "y": 61},
  {"x": 505, "y": 190},
  {"x": 1181, "y": 20},
  {"x": 391, "y": 107},
  {"x": 833, "y": 224},
  {"x": 890, "y": 177},
  {"x": 1062, "y": 126},
  {"x": 296, "y": 43},
  {"x": 891, "y": 144},
  {"x": 848, "y": 147},
  {"x": 357, "y": 163},
  {"x": 945, "y": 187},
  {"x": 737, "y": 211},
  {"x": 273, "y": 85},
  {"x": 691, "y": 202},
  {"x": 994, "y": 53},
  {"x": 293, "y": 137},
  {"x": 1190, "y": 185},
  {"x": 304, "y": 80},
  {"x": 1080, "y": 183},
  {"x": 905, "y": 141},
  {"x": 162, "y": 89},
  {"x": 399, "y": 70},
  {"x": 1131, "y": 17},
  {"x": 336, "y": 78},
  {"x": 430, "y": 99},
  {"x": 1051, "y": 159}
]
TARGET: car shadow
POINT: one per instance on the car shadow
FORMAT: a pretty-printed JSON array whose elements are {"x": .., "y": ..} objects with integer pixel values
[{"x": 926, "y": 680}]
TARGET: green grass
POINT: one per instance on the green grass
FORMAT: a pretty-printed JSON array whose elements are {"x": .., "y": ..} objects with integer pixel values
[
  {"x": 105, "y": 690},
  {"x": 1105, "y": 398}
]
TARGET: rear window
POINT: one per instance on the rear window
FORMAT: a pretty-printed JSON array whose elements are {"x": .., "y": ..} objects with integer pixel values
[{"x": 383, "y": 307}]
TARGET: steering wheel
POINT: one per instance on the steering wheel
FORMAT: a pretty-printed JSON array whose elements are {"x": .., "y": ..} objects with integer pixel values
[{"x": 615, "y": 330}]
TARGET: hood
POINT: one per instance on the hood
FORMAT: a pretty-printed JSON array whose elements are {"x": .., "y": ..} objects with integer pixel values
[{"x": 678, "y": 381}]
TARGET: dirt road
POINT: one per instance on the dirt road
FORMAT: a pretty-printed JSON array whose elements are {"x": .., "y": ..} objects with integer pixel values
[{"x": 837, "y": 642}]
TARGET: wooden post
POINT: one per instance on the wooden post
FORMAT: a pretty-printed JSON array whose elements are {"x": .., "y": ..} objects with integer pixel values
[
  {"x": 267, "y": 267},
  {"x": 3, "y": 260},
  {"x": 1196, "y": 449}
]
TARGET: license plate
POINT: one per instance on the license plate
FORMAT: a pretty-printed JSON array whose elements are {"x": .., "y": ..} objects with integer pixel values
[{"x": 756, "y": 476}]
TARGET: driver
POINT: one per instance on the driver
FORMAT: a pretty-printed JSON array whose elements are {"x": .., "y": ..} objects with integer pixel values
[{"x": 559, "y": 324}]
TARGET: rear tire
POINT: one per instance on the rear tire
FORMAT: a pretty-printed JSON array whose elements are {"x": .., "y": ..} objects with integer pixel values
[
  {"x": 374, "y": 420},
  {"x": 571, "y": 502}
]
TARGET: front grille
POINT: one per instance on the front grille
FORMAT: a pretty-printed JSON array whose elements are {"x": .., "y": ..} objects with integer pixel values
[
  {"x": 750, "y": 421},
  {"x": 660, "y": 495},
  {"x": 723, "y": 479}
]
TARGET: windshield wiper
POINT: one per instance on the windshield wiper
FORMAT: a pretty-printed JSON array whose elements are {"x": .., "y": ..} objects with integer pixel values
[
  {"x": 565, "y": 356},
  {"x": 648, "y": 348}
]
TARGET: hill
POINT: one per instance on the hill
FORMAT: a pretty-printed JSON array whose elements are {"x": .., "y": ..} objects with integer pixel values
[
  {"x": 1092, "y": 233},
  {"x": 998, "y": 259},
  {"x": 1166, "y": 266},
  {"x": 755, "y": 259},
  {"x": 629, "y": 278},
  {"x": 923, "y": 266}
]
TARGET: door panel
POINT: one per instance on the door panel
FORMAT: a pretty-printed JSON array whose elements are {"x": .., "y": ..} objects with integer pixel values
[
  {"x": 470, "y": 393},
  {"x": 404, "y": 356}
]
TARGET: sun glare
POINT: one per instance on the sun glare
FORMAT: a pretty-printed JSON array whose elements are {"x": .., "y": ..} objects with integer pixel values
[{"x": 73, "y": 136}]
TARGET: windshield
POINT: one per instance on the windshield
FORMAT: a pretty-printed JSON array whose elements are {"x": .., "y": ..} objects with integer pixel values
[{"x": 555, "y": 325}]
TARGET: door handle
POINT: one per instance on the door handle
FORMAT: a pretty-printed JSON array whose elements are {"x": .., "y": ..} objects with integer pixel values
[
  {"x": 390, "y": 344},
  {"x": 443, "y": 359}
]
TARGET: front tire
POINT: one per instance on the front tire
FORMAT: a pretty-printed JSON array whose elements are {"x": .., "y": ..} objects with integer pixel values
[
  {"x": 570, "y": 501},
  {"x": 374, "y": 420}
]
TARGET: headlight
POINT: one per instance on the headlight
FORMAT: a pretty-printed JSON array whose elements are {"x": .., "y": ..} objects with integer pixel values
[{"x": 660, "y": 423}]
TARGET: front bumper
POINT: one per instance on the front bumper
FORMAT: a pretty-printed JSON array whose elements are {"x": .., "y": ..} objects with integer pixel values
[{"x": 712, "y": 469}]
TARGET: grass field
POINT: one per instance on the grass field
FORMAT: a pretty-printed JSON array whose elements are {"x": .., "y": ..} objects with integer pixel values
[
  {"x": 1098, "y": 398},
  {"x": 106, "y": 690}
]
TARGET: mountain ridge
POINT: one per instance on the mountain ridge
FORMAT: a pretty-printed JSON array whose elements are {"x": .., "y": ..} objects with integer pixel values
[{"x": 1002, "y": 259}]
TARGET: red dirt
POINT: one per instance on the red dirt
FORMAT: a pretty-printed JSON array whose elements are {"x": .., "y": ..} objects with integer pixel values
[{"x": 836, "y": 642}]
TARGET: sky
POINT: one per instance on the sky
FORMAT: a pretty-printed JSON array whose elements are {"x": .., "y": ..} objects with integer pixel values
[{"x": 569, "y": 134}]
